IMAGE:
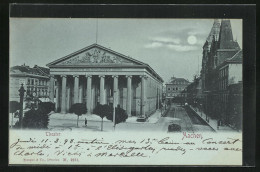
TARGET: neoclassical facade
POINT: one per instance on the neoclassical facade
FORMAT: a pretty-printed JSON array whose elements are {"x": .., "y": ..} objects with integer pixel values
[{"x": 98, "y": 75}]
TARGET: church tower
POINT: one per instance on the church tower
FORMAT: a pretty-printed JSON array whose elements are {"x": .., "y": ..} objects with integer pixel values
[
  {"x": 214, "y": 33},
  {"x": 206, "y": 59},
  {"x": 227, "y": 46}
]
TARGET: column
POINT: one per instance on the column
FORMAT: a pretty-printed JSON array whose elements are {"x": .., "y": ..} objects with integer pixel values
[
  {"x": 52, "y": 88},
  {"x": 102, "y": 90},
  {"x": 143, "y": 78},
  {"x": 115, "y": 96},
  {"x": 129, "y": 95},
  {"x": 76, "y": 88},
  {"x": 80, "y": 93},
  {"x": 115, "y": 91},
  {"x": 88, "y": 98},
  {"x": 68, "y": 99},
  {"x": 57, "y": 96},
  {"x": 63, "y": 94}
]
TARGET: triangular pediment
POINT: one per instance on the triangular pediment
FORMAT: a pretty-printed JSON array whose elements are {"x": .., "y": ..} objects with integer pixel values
[{"x": 95, "y": 55}]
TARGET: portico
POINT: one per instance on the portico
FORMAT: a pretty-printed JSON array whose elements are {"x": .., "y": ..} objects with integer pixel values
[{"x": 97, "y": 75}]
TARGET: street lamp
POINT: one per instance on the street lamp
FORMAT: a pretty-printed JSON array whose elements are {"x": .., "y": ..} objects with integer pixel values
[
  {"x": 141, "y": 118},
  {"x": 21, "y": 94},
  {"x": 114, "y": 108}
]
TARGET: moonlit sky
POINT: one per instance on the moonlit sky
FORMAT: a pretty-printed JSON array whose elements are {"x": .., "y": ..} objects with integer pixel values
[{"x": 169, "y": 46}]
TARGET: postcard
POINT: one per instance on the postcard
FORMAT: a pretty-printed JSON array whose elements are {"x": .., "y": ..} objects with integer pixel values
[{"x": 125, "y": 91}]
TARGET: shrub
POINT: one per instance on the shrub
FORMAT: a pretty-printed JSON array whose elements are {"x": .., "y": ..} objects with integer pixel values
[
  {"x": 78, "y": 109},
  {"x": 35, "y": 119}
]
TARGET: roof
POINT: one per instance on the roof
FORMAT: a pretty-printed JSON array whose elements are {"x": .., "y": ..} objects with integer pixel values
[
  {"x": 226, "y": 40},
  {"x": 43, "y": 70},
  {"x": 178, "y": 80},
  {"x": 214, "y": 30},
  {"x": 23, "y": 69},
  {"x": 127, "y": 58},
  {"x": 237, "y": 57}
]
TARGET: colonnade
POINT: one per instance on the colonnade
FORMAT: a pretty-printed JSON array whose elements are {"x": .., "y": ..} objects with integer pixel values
[{"x": 77, "y": 94}]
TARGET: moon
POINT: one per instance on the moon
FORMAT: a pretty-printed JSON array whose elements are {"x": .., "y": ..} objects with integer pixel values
[{"x": 192, "y": 40}]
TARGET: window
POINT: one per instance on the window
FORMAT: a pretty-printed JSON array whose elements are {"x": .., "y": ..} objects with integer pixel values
[
  {"x": 169, "y": 88},
  {"x": 176, "y": 88}
]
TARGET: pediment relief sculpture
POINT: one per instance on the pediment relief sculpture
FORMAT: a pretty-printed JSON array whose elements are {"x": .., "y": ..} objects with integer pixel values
[{"x": 95, "y": 56}]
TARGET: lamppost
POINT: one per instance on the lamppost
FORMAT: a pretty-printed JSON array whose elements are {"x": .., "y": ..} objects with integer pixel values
[
  {"x": 21, "y": 94},
  {"x": 114, "y": 110},
  {"x": 142, "y": 105},
  {"x": 200, "y": 109}
]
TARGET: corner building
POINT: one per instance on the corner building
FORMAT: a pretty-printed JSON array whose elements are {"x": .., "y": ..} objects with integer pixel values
[
  {"x": 221, "y": 68},
  {"x": 98, "y": 75}
]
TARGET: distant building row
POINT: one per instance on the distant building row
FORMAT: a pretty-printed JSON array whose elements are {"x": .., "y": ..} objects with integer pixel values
[
  {"x": 35, "y": 81},
  {"x": 175, "y": 87}
]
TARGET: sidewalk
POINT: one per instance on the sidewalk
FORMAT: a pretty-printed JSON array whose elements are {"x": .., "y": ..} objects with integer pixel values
[
  {"x": 213, "y": 123},
  {"x": 93, "y": 117},
  {"x": 152, "y": 119}
]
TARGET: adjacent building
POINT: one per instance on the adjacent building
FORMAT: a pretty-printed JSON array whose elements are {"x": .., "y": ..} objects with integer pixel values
[
  {"x": 193, "y": 92},
  {"x": 221, "y": 68},
  {"x": 35, "y": 81},
  {"x": 175, "y": 87},
  {"x": 98, "y": 75},
  {"x": 229, "y": 74}
]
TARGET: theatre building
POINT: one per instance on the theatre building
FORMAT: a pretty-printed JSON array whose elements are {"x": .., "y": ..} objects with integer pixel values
[{"x": 98, "y": 75}]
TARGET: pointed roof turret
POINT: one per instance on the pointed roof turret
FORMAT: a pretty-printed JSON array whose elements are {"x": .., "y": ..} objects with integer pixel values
[
  {"x": 226, "y": 40},
  {"x": 214, "y": 31}
]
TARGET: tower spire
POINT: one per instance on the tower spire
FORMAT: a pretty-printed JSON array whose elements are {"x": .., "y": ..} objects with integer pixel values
[
  {"x": 226, "y": 40},
  {"x": 214, "y": 32}
]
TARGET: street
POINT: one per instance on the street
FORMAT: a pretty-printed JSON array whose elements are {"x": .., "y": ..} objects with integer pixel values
[
  {"x": 176, "y": 115},
  {"x": 188, "y": 122}
]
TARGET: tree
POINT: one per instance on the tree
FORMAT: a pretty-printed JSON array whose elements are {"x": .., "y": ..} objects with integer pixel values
[
  {"x": 13, "y": 107},
  {"x": 32, "y": 102},
  {"x": 78, "y": 109},
  {"x": 120, "y": 115},
  {"x": 46, "y": 107},
  {"x": 28, "y": 101},
  {"x": 103, "y": 111}
]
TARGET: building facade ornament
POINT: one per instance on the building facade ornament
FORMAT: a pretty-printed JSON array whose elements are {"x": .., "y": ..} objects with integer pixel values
[{"x": 95, "y": 56}]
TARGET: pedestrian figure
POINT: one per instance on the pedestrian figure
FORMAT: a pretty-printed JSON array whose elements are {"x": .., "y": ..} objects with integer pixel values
[
  {"x": 86, "y": 122},
  {"x": 218, "y": 123}
]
